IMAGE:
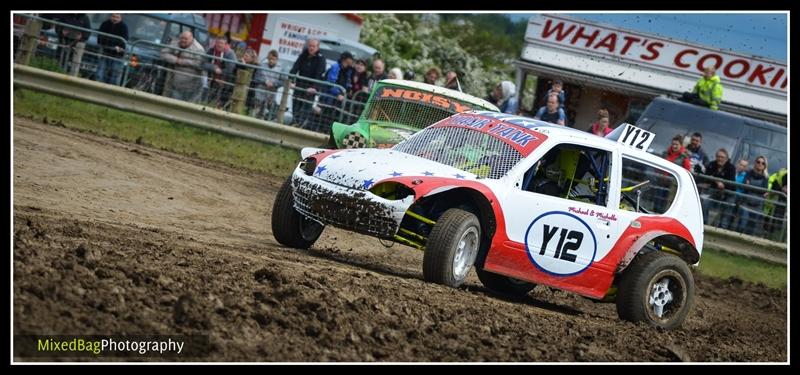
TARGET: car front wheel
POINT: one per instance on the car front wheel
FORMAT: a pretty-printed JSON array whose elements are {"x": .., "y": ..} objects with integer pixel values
[
  {"x": 452, "y": 248},
  {"x": 290, "y": 227},
  {"x": 657, "y": 288}
]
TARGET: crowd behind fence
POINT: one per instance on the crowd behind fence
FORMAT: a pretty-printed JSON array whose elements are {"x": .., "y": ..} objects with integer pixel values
[
  {"x": 268, "y": 94},
  {"x": 243, "y": 88}
]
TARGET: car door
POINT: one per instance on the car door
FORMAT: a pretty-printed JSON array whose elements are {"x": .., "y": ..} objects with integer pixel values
[{"x": 563, "y": 230}]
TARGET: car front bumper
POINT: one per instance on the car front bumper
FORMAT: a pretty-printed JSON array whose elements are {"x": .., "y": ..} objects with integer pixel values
[{"x": 347, "y": 208}]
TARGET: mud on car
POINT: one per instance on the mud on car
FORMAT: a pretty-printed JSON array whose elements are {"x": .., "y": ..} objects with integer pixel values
[
  {"x": 396, "y": 109},
  {"x": 523, "y": 201}
]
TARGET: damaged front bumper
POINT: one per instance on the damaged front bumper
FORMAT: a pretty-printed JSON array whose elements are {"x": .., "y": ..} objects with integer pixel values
[{"x": 347, "y": 208}]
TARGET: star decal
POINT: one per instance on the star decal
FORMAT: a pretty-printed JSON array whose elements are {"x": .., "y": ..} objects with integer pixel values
[
  {"x": 320, "y": 169},
  {"x": 368, "y": 183},
  {"x": 395, "y": 174},
  {"x": 458, "y": 176},
  {"x": 427, "y": 173}
]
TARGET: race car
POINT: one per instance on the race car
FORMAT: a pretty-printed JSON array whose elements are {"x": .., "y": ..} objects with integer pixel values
[
  {"x": 523, "y": 201},
  {"x": 396, "y": 109}
]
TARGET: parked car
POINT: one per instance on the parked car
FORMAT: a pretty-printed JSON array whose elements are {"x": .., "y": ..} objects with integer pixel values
[
  {"x": 743, "y": 137},
  {"x": 525, "y": 202},
  {"x": 396, "y": 109}
]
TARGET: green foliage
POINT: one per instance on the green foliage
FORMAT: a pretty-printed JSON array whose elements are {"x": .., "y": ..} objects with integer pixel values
[
  {"x": 480, "y": 48},
  {"x": 724, "y": 265}
]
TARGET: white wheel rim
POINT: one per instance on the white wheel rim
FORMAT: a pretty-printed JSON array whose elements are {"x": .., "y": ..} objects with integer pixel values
[
  {"x": 666, "y": 296},
  {"x": 466, "y": 251}
]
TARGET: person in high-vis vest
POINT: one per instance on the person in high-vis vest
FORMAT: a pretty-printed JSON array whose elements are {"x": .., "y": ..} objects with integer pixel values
[
  {"x": 707, "y": 91},
  {"x": 775, "y": 206}
]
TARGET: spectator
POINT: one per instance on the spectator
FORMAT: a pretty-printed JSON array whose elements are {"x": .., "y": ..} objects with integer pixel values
[
  {"x": 677, "y": 154},
  {"x": 451, "y": 82},
  {"x": 506, "y": 97},
  {"x": 432, "y": 75},
  {"x": 109, "y": 66},
  {"x": 552, "y": 113},
  {"x": 186, "y": 54},
  {"x": 600, "y": 127},
  {"x": 698, "y": 157},
  {"x": 395, "y": 73},
  {"x": 359, "y": 81},
  {"x": 707, "y": 91},
  {"x": 378, "y": 73},
  {"x": 267, "y": 80},
  {"x": 69, "y": 37},
  {"x": 778, "y": 182},
  {"x": 751, "y": 202},
  {"x": 221, "y": 67},
  {"x": 339, "y": 74},
  {"x": 409, "y": 75},
  {"x": 720, "y": 195},
  {"x": 558, "y": 90},
  {"x": 310, "y": 64}
]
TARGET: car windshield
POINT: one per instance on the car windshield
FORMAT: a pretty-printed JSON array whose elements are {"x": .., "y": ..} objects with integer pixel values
[
  {"x": 463, "y": 148},
  {"x": 412, "y": 107}
]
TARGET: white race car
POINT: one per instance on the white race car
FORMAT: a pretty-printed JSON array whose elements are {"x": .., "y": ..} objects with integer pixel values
[{"x": 524, "y": 201}]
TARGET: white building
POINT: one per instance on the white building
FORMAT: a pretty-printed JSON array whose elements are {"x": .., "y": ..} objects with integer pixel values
[{"x": 605, "y": 66}]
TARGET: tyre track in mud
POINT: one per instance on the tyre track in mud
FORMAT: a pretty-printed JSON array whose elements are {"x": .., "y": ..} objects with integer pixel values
[{"x": 118, "y": 238}]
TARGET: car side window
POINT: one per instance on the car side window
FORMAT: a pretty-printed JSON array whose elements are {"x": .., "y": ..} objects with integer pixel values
[
  {"x": 571, "y": 172},
  {"x": 646, "y": 188}
]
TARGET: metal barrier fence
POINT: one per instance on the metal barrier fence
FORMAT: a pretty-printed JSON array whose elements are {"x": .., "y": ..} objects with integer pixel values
[
  {"x": 253, "y": 90},
  {"x": 747, "y": 209}
]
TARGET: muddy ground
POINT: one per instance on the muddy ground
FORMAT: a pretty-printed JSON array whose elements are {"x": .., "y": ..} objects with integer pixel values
[{"x": 120, "y": 238}]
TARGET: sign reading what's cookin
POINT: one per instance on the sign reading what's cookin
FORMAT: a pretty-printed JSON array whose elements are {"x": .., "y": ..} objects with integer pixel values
[
  {"x": 669, "y": 54},
  {"x": 422, "y": 97}
]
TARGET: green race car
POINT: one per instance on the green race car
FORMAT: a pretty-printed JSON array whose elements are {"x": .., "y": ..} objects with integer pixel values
[{"x": 396, "y": 109}]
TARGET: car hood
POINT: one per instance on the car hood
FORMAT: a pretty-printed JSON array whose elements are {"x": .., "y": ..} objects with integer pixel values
[{"x": 362, "y": 168}]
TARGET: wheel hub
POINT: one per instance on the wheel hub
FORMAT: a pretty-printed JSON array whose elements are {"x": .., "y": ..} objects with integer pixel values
[
  {"x": 660, "y": 296},
  {"x": 465, "y": 253}
]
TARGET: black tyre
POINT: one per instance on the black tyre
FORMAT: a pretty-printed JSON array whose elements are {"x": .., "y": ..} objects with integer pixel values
[
  {"x": 289, "y": 227},
  {"x": 504, "y": 284},
  {"x": 452, "y": 247},
  {"x": 657, "y": 288}
]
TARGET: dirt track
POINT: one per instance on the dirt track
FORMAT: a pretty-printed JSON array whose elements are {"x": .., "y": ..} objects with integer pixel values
[{"x": 118, "y": 238}]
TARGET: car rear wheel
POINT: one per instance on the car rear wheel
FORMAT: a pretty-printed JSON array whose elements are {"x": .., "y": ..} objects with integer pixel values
[
  {"x": 290, "y": 227},
  {"x": 657, "y": 288},
  {"x": 504, "y": 284},
  {"x": 452, "y": 248}
]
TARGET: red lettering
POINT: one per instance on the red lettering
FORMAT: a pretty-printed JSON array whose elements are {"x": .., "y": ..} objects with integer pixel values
[
  {"x": 701, "y": 63},
  {"x": 609, "y": 42},
  {"x": 426, "y": 98},
  {"x": 728, "y": 71},
  {"x": 653, "y": 49},
  {"x": 460, "y": 108},
  {"x": 412, "y": 95},
  {"x": 776, "y": 78},
  {"x": 629, "y": 40},
  {"x": 394, "y": 93},
  {"x": 759, "y": 72},
  {"x": 441, "y": 102},
  {"x": 783, "y": 86},
  {"x": 678, "y": 58},
  {"x": 589, "y": 38},
  {"x": 558, "y": 29}
]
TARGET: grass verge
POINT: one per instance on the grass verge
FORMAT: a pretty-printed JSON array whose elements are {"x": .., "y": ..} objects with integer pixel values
[
  {"x": 723, "y": 265},
  {"x": 166, "y": 135}
]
